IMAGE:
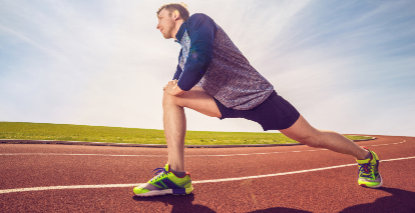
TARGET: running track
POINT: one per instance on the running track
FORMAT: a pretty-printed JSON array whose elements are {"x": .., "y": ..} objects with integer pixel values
[{"x": 71, "y": 178}]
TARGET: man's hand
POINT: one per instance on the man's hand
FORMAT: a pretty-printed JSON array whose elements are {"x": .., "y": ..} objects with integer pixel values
[{"x": 173, "y": 89}]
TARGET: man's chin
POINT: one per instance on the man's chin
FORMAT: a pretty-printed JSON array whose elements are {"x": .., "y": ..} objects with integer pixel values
[{"x": 167, "y": 37}]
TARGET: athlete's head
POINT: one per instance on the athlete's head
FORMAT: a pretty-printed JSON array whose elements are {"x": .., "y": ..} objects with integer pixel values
[{"x": 169, "y": 16}]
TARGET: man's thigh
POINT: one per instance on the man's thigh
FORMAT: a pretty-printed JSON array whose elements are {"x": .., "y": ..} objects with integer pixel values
[{"x": 198, "y": 100}]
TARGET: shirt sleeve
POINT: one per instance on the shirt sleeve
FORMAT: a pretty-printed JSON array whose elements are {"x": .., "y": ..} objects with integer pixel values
[{"x": 201, "y": 30}]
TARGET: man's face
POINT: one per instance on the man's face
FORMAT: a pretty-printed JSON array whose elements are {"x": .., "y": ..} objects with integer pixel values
[{"x": 166, "y": 23}]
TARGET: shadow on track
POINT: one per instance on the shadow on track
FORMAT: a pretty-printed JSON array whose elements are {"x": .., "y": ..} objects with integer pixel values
[
  {"x": 280, "y": 210},
  {"x": 179, "y": 203},
  {"x": 399, "y": 201},
  {"x": 184, "y": 204}
]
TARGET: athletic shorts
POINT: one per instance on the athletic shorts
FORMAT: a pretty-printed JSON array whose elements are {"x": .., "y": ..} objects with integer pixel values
[{"x": 275, "y": 113}]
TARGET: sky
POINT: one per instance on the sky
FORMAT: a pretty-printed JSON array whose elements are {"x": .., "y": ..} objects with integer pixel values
[{"x": 347, "y": 66}]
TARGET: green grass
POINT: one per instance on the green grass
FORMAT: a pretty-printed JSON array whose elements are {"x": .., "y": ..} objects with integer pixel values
[{"x": 69, "y": 132}]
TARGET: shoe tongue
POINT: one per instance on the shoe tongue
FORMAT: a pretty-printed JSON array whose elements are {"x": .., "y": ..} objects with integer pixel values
[
  {"x": 167, "y": 168},
  {"x": 363, "y": 161}
]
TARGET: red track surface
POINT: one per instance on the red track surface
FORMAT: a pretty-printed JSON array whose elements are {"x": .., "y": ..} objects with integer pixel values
[{"x": 331, "y": 190}]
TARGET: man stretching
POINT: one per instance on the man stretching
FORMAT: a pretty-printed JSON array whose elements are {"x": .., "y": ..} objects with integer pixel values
[{"x": 214, "y": 78}]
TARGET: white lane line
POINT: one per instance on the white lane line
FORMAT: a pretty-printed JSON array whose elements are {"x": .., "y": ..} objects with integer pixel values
[
  {"x": 220, "y": 155},
  {"x": 407, "y": 158},
  {"x": 6, "y": 191},
  {"x": 45, "y": 188},
  {"x": 385, "y": 144},
  {"x": 64, "y": 154},
  {"x": 290, "y": 173}
]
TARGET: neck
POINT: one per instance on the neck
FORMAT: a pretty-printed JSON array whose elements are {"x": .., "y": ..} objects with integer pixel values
[{"x": 177, "y": 27}]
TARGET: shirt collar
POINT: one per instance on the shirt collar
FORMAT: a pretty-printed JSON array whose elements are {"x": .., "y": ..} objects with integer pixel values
[{"x": 179, "y": 34}]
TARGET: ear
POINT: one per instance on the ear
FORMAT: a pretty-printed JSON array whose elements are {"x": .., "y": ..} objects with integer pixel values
[{"x": 176, "y": 15}]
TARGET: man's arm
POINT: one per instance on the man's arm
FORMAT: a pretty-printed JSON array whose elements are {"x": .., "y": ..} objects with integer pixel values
[{"x": 201, "y": 30}]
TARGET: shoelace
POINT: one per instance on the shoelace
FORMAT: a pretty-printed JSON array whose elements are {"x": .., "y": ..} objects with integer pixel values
[
  {"x": 366, "y": 169},
  {"x": 159, "y": 172}
]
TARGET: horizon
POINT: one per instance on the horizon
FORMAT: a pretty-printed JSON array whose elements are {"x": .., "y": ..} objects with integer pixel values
[{"x": 265, "y": 132}]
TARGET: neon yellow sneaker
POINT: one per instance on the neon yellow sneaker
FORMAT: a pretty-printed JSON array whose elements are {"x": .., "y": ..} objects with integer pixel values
[
  {"x": 165, "y": 182},
  {"x": 369, "y": 171}
]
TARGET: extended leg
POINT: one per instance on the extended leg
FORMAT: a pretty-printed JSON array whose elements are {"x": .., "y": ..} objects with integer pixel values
[
  {"x": 368, "y": 161},
  {"x": 303, "y": 132}
]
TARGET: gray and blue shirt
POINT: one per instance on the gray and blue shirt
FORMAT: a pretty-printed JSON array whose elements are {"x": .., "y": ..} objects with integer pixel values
[{"x": 210, "y": 59}]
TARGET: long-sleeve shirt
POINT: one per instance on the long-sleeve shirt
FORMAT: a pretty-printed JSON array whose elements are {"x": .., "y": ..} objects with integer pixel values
[{"x": 210, "y": 59}]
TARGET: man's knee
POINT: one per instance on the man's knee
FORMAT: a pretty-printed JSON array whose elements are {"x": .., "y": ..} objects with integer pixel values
[
  {"x": 169, "y": 100},
  {"x": 173, "y": 100}
]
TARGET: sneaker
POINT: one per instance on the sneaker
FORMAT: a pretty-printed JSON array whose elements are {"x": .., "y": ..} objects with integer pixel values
[
  {"x": 368, "y": 171},
  {"x": 165, "y": 182}
]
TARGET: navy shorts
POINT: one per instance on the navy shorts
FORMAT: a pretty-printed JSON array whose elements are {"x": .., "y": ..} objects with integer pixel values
[{"x": 275, "y": 113}]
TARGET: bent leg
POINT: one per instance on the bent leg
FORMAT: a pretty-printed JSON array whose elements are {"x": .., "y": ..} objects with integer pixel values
[
  {"x": 174, "y": 121},
  {"x": 303, "y": 132}
]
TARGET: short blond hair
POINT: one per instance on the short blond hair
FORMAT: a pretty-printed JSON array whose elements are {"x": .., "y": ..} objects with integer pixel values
[{"x": 182, "y": 8}]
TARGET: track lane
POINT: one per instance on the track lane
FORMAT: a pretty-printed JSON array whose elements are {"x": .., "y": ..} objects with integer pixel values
[{"x": 243, "y": 195}]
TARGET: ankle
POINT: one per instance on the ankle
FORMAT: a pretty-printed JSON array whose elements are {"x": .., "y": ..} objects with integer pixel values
[
  {"x": 365, "y": 156},
  {"x": 178, "y": 173}
]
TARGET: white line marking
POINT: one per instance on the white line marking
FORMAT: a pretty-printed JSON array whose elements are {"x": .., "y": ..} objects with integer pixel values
[
  {"x": 64, "y": 154},
  {"x": 65, "y": 187},
  {"x": 272, "y": 175},
  {"x": 220, "y": 155},
  {"x": 407, "y": 158},
  {"x": 6, "y": 191}
]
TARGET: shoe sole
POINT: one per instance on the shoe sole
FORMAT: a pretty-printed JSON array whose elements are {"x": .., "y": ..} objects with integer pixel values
[
  {"x": 373, "y": 187},
  {"x": 184, "y": 191}
]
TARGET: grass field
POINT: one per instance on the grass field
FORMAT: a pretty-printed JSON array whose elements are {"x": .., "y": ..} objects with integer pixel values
[{"x": 68, "y": 132}]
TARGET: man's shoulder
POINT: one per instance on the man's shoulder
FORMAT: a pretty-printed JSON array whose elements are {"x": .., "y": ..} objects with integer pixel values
[
  {"x": 199, "y": 17},
  {"x": 200, "y": 21}
]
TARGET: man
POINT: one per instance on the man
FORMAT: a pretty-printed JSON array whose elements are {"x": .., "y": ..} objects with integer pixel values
[{"x": 214, "y": 78}]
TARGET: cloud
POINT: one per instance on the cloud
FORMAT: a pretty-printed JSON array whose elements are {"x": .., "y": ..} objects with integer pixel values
[{"x": 347, "y": 66}]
